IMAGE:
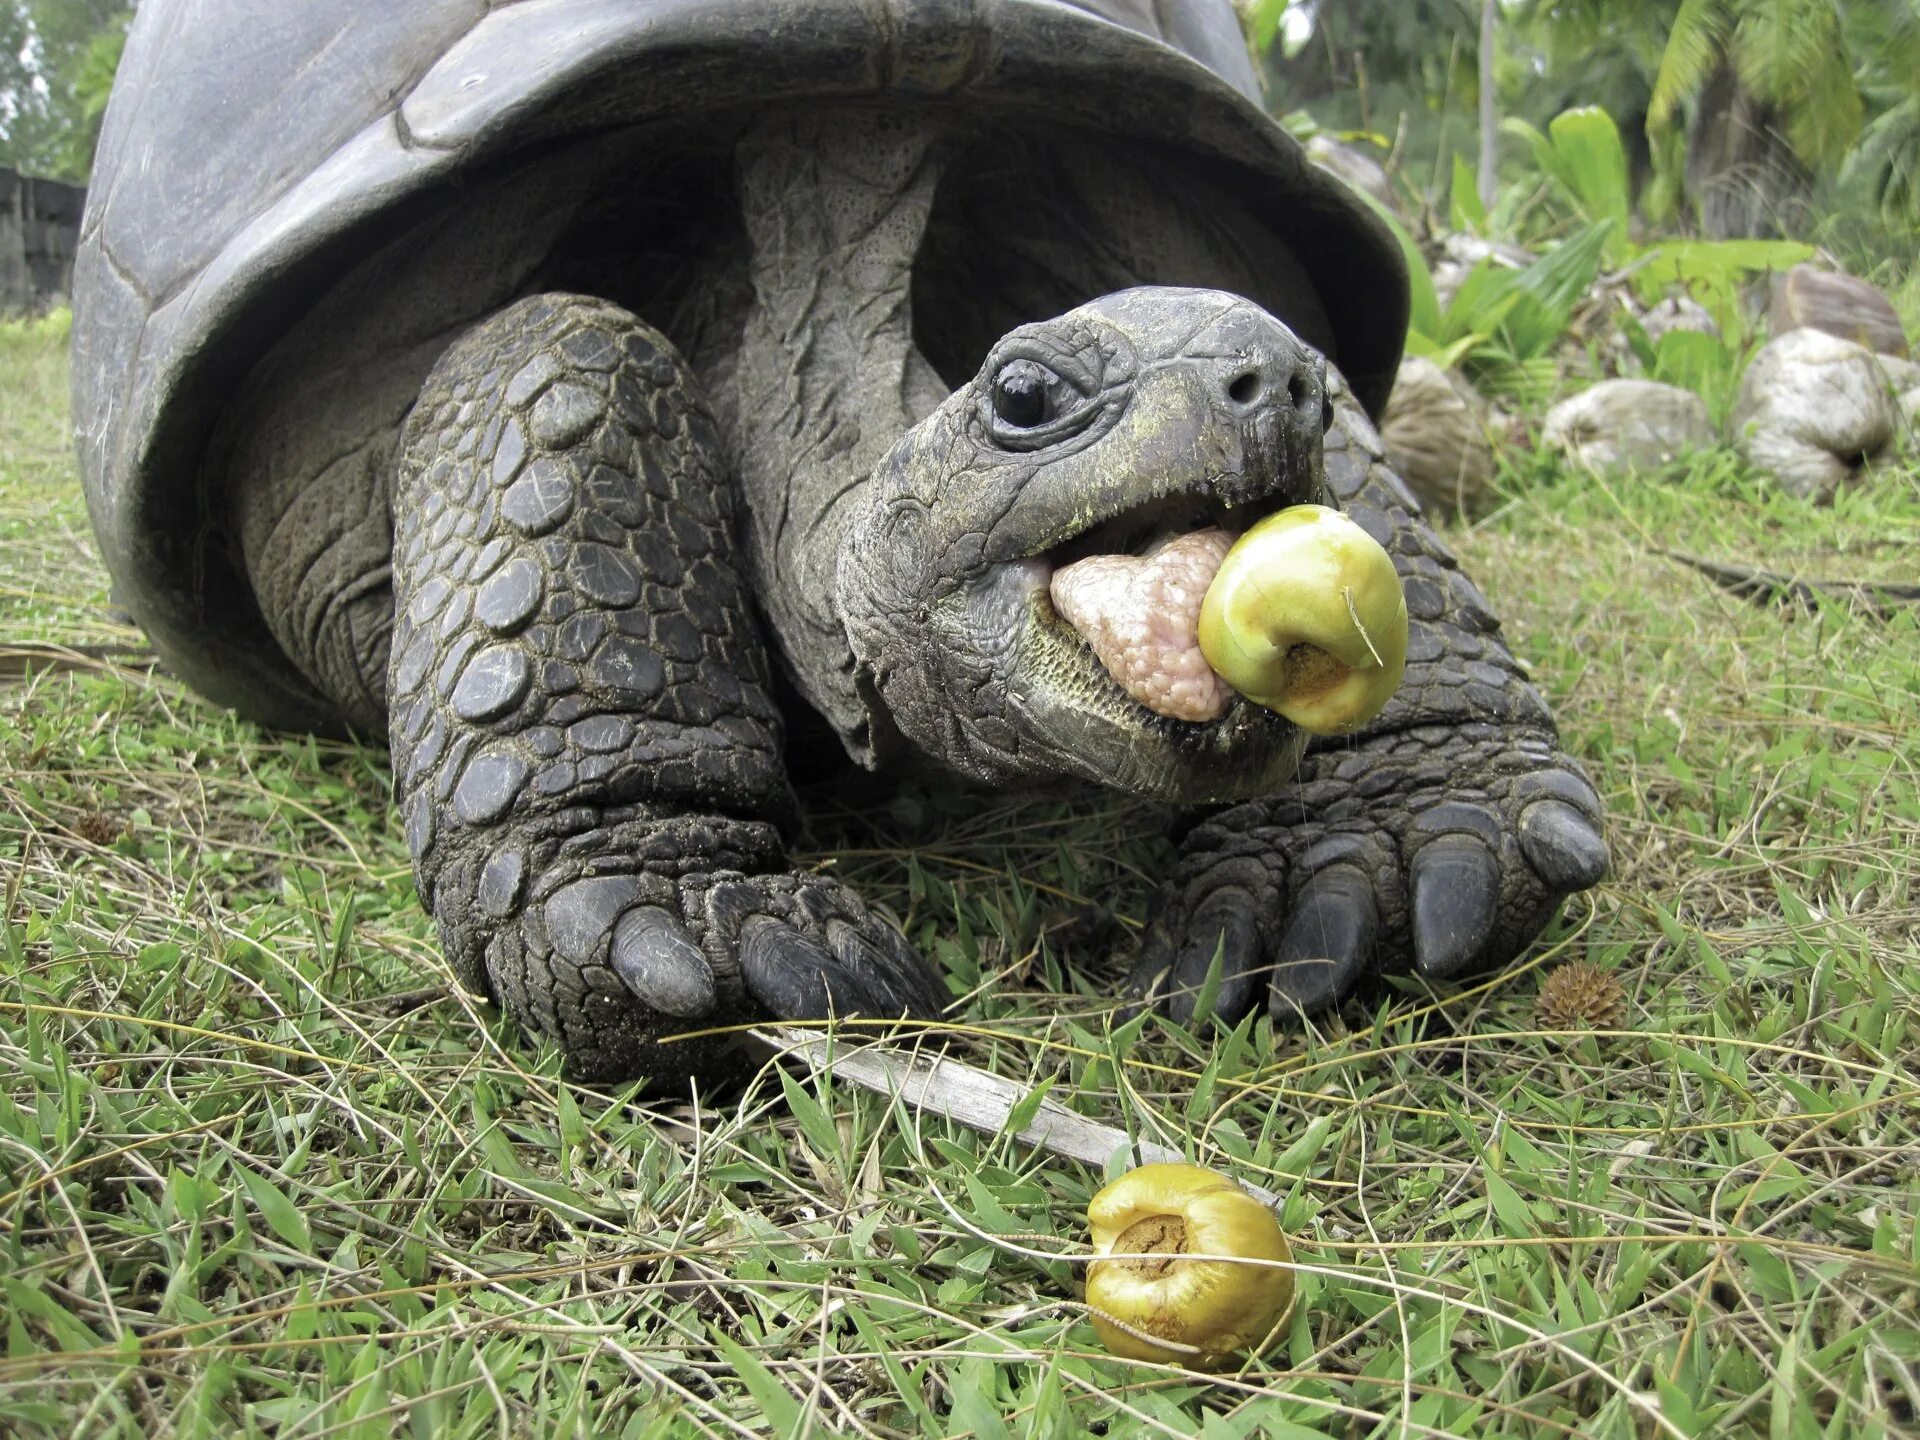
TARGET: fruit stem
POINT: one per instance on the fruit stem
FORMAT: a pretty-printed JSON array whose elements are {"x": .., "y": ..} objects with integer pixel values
[{"x": 1346, "y": 594}]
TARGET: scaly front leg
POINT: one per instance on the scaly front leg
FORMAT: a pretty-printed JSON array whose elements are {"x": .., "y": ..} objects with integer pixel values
[
  {"x": 584, "y": 745},
  {"x": 1442, "y": 838}
]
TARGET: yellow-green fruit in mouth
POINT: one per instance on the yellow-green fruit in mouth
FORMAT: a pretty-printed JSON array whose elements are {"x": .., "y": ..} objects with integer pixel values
[
  {"x": 1188, "y": 1257},
  {"x": 1307, "y": 618}
]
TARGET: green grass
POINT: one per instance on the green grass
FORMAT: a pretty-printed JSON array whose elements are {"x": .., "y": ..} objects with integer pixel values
[{"x": 262, "y": 1172}]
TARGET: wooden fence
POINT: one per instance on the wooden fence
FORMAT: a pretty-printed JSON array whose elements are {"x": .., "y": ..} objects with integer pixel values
[{"x": 39, "y": 230}]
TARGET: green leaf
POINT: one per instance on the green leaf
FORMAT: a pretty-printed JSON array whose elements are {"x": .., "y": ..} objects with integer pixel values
[
  {"x": 1511, "y": 1210},
  {"x": 1694, "y": 47},
  {"x": 497, "y": 1150},
  {"x": 1467, "y": 213},
  {"x": 1263, "y": 22},
  {"x": 1687, "y": 1058},
  {"x": 1793, "y": 55},
  {"x": 1692, "y": 360},
  {"x": 815, "y": 1123},
  {"x": 1275, "y": 1428},
  {"x": 989, "y": 1213},
  {"x": 1546, "y": 157},
  {"x": 1045, "y": 1404},
  {"x": 574, "y": 1134},
  {"x": 785, "y": 1414},
  {"x": 1676, "y": 260},
  {"x": 68, "y": 1331},
  {"x": 904, "y": 1386},
  {"x": 1424, "y": 311},
  {"x": 1789, "y": 1417},
  {"x": 1587, "y": 143},
  {"x": 1676, "y": 1406},
  {"x": 1712, "y": 271},
  {"x": 975, "y": 1407},
  {"x": 1481, "y": 303},
  {"x": 1295, "y": 1160},
  {"x": 1026, "y": 1107},
  {"x": 1771, "y": 1275},
  {"x": 1445, "y": 356},
  {"x": 280, "y": 1213},
  {"x": 1550, "y": 288}
]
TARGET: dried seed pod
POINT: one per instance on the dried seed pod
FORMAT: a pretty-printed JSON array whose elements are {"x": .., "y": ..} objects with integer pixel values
[
  {"x": 1579, "y": 996},
  {"x": 1164, "y": 1234}
]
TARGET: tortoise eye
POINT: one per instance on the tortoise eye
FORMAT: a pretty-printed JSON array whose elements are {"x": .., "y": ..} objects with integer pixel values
[
  {"x": 1030, "y": 400},
  {"x": 1023, "y": 393}
]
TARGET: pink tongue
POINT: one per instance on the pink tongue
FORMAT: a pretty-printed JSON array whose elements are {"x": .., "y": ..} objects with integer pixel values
[{"x": 1141, "y": 616}]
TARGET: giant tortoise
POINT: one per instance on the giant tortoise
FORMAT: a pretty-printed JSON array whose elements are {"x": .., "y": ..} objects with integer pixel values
[{"x": 578, "y": 393}]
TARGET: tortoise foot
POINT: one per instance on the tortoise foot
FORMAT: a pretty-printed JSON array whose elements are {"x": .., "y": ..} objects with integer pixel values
[
  {"x": 639, "y": 943},
  {"x": 1421, "y": 850},
  {"x": 585, "y": 746}
]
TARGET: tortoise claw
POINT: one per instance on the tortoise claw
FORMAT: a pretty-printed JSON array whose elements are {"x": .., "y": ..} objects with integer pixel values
[
  {"x": 1224, "y": 926},
  {"x": 896, "y": 983},
  {"x": 1564, "y": 847},
  {"x": 1456, "y": 898},
  {"x": 1176, "y": 958},
  {"x": 796, "y": 977},
  {"x": 657, "y": 960},
  {"x": 1147, "y": 981},
  {"x": 788, "y": 973},
  {"x": 1327, "y": 944}
]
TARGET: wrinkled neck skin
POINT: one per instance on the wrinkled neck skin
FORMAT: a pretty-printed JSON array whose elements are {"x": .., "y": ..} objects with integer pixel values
[{"x": 827, "y": 377}]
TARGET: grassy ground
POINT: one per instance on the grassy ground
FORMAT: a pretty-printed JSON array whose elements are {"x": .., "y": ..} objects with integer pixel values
[{"x": 253, "y": 1181}]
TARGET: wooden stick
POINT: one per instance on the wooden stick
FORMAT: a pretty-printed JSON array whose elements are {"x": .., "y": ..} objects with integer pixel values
[{"x": 973, "y": 1097}]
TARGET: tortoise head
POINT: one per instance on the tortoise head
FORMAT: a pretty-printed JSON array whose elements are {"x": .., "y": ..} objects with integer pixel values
[{"x": 1021, "y": 588}]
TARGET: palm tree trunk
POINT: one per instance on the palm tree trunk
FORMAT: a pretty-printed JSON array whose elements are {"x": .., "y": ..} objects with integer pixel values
[
  {"x": 1741, "y": 172},
  {"x": 1489, "y": 128}
]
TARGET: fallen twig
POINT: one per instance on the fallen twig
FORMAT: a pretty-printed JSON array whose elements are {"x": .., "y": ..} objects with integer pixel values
[
  {"x": 971, "y": 1096},
  {"x": 1878, "y": 598}
]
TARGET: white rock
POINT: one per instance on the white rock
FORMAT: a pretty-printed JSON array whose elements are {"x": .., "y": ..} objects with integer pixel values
[
  {"x": 1814, "y": 411},
  {"x": 1902, "y": 374},
  {"x": 1677, "y": 312},
  {"x": 1470, "y": 250},
  {"x": 1620, "y": 426},
  {"x": 1353, "y": 165},
  {"x": 1461, "y": 253},
  {"x": 1436, "y": 439}
]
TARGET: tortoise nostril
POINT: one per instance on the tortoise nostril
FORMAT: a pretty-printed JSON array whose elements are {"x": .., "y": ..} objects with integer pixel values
[
  {"x": 1300, "y": 390},
  {"x": 1244, "y": 388}
]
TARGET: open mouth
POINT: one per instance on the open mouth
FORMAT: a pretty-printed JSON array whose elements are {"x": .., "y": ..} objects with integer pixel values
[
  {"x": 1143, "y": 528},
  {"x": 1131, "y": 586}
]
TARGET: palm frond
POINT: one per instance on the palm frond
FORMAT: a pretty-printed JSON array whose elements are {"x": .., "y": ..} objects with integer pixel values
[
  {"x": 1792, "y": 55},
  {"x": 1887, "y": 162},
  {"x": 1694, "y": 48},
  {"x": 1885, "y": 35}
]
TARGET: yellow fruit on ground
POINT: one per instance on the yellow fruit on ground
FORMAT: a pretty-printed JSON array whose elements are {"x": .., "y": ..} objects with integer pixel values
[{"x": 1186, "y": 1256}]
